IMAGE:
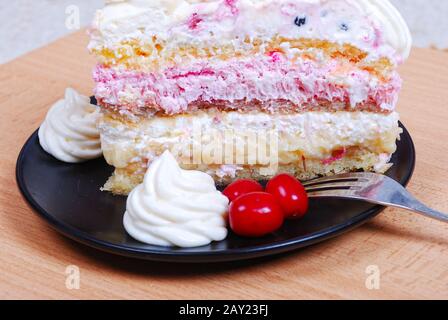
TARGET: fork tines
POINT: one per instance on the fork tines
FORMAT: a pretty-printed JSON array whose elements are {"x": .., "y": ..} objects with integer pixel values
[{"x": 347, "y": 181}]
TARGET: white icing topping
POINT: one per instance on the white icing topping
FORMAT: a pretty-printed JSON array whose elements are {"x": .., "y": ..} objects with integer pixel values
[
  {"x": 176, "y": 207},
  {"x": 69, "y": 132},
  {"x": 373, "y": 25}
]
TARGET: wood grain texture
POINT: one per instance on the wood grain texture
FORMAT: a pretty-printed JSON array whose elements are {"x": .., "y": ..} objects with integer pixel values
[{"x": 411, "y": 251}]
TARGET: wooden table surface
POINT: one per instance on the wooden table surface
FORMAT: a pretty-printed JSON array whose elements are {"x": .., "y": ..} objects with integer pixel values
[{"x": 410, "y": 251}]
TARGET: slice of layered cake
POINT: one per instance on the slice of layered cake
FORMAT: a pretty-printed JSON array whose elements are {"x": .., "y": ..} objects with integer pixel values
[{"x": 248, "y": 88}]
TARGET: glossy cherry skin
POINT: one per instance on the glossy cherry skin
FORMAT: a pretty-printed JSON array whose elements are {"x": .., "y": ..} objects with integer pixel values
[
  {"x": 255, "y": 214},
  {"x": 241, "y": 187},
  {"x": 290, "y": 194}
]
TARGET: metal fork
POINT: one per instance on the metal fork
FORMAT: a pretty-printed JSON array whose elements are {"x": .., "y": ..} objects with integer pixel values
[{"x": 370, "y": 187}]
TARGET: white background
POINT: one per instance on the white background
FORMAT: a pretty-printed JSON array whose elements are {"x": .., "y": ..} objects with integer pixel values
[{"x": 29, "y": 24}]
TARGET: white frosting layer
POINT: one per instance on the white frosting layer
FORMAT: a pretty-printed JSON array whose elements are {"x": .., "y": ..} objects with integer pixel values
[
  {"x": 175, "y": 207},
  {"x": 314, "y": 135},
  {"x": 69, "y": 132},
  {"x": 372, "y": 25}
]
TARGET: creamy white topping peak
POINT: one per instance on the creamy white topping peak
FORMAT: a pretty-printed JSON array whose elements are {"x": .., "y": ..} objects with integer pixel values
[
  {"x": 69, "y": 132},
  {"x": 395, "y": 29},
  {"x": 176, "y": 207},
  {"x": 373, "y": 25}
]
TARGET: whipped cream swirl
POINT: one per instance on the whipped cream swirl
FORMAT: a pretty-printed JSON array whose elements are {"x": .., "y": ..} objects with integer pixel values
[
  {"x": 176, "y": 207},
  {"x": 69, "y": 132}
]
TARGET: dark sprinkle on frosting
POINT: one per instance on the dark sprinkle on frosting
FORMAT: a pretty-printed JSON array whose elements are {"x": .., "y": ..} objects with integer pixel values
[
  {"x": 300, "y": 21},
  {"x": 344, "y": 27}
]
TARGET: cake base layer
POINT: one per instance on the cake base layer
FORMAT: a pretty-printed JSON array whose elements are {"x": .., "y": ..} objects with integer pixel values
[
  {"x": 124, "y": 180},
  {"x": 232, "y": 145}
]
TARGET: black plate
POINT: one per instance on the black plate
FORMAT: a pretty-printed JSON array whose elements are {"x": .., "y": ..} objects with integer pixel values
[{"x": 68, "y": 196}]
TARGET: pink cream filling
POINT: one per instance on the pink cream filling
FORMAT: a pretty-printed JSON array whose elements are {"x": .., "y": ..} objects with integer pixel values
[{"x": 269, "y": 78}]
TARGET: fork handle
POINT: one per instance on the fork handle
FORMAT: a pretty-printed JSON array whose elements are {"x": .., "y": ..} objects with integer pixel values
[
  {"x": 411, "y": 203},
  {"x": 403, "y": 199}
]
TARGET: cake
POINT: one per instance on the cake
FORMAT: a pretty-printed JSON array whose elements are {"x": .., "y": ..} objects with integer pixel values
[{"x": 306, "y": 87}]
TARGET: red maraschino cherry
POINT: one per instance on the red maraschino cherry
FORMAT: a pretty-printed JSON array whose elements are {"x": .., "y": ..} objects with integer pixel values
[
  {"x": 241, "y": 187},
  {"x": 255, "y": 214},
  {"x": 290, "y": 195}
]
